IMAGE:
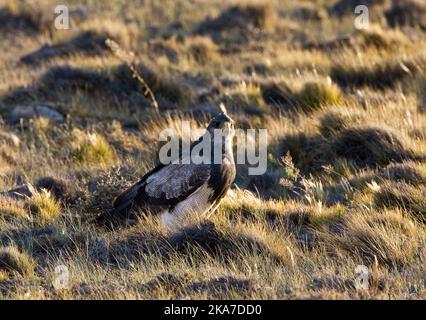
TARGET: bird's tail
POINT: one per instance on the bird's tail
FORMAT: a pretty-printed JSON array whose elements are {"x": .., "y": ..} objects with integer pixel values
[
  {"x": 126, "y": 199},
  {"x": 122, "y": 206}
]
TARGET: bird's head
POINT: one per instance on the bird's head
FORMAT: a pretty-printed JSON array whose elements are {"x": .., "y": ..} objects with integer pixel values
[{"x": 221, "y": 122}]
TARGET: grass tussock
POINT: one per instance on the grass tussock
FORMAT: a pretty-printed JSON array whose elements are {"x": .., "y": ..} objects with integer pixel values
[
  {"x": 422, "y": 94},
  {"x": 92, "y": 148},
  {"x": 316, "y": 94},
  {"x": 403, "y": 195},
  {"x": 212, "y": 239},
  {"x": 237, "y": 22},
  {"x": 60, "y": 189},
  {"x": 346, "y": 156},
  {"x": 343, "y": 7},
  {"x": 411, "y": 13},
  {"x": 386, "y": 237},
  {"x": 278, "y": 93},
  {"x": 409, "y": 172},
  {"x": 370, "y": 147},
  {"x": 312, "y": 95},
  {"x": 162, "y": 87},
  {"x": 24, "y": 17},
  {"x": 334, "y": 121},
  {"x": 386, "y": 74},
  {"x": 251, "y": 16},
  {"x": 382, "y": 39},
  {"x": 89, "y": 43},
  {"x": 202, "y": 49},
  {"x": 249, "y": 97},
  {"x": 358, "y": 146},
  {"x": 44, "y": 208},
  {"x": 118, "y": 83},
  {"x": 310, "y": 11},
  {"x": 11, "y": 209},
  {"x": 14, "y": 262}
]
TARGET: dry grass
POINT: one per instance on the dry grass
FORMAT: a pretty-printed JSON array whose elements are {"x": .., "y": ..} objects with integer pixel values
[
  {"x": 43, "y": 206},
  {"x": 405, "y": 196},
  {"x": 92, "y": 148},
  {"x": 15, "y": 262},
  {"x": 345, "y": 113},
  {"x": 315, "y": 95},
  {"x": 387, "y": 237},
  {"x": 12, "y": 209}
]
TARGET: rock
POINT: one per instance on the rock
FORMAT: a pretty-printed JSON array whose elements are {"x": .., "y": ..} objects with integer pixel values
[
  {"x": 18, "y": 193},
  {"x": 33, "y": 112},
  {"x": 10, "y": 138},
  {"x": 60, "y": 189}
]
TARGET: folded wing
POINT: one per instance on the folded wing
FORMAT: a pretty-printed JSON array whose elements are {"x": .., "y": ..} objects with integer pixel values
[{"x": 164, "y": 186}]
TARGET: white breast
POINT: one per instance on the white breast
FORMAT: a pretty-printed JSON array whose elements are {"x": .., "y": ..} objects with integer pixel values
[{"x": 196, "y": 204}]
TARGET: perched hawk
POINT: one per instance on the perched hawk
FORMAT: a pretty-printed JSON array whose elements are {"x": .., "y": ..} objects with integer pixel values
[{"x": 175, "y": 191}]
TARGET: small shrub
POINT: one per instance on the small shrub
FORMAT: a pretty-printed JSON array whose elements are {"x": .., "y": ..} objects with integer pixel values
[
  {"x": 290, "y": 171},
  {"x": 314, "y": 95},
  {"x": 93, "y": 149},
  {"x": 12, "y": 261}
]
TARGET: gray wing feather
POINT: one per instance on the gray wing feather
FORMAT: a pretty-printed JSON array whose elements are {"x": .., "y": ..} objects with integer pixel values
[{"x": 176, "y": 180}]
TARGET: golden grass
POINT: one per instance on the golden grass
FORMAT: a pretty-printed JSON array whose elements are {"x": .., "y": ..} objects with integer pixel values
[
  {"x": 44, "y": 208},
  {"x": 346, "y": 164},
  {"x": 92, "y": 148},
  {"x": 10, "y": 208},
  {"x": 14, "y": 262},
  {"x": 386, "y": 236},
  {"x": 316, "y": 94}
]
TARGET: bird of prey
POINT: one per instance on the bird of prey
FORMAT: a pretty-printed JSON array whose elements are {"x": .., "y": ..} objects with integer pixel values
[{"x": 178, "y": 190}]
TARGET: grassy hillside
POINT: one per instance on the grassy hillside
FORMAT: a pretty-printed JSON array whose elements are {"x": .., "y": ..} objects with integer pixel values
[{"x": 345, "y": 111}]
